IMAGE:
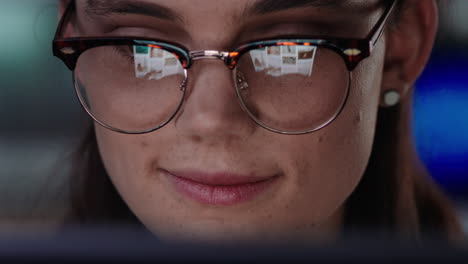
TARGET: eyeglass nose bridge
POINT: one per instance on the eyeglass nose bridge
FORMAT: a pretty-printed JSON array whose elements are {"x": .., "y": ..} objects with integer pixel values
[{"x": 209, "y": 54}]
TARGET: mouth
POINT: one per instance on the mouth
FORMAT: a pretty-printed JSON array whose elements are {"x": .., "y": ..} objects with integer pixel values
[{"x": 219, "y": 188}]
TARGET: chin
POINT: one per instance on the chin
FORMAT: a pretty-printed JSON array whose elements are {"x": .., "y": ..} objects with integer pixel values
[
  {"x": 224, "y": 232},
  {"x": 206, "y": 235}
]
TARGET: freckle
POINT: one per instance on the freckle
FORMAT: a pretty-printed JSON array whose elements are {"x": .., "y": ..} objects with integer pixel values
[
  {"x": 144, "y": 144},
  {"x": 358, "y": 119},
  {"x": 320, "y": 139},
  {"x": 197, "y": 139}
]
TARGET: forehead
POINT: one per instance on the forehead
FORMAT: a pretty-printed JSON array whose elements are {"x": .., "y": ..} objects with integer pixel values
[
  {"x": 206, "y": 22},
  {"x": 172, "y": 9}
]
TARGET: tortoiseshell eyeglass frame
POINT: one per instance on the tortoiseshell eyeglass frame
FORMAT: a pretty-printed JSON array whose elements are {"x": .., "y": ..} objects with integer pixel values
[{"x": 353, "y": 51}]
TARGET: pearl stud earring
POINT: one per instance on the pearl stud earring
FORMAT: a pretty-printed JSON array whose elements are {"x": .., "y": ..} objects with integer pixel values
[{"x": 391, "y": 98}]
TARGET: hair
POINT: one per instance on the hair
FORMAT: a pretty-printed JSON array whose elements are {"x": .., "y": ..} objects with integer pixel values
[{"x": 396, "y": 194}]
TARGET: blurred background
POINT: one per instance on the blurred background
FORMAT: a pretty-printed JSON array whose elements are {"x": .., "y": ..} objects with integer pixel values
[{"x": 40, "y": 118}]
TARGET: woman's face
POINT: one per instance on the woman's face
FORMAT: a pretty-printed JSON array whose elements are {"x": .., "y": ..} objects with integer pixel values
[{"x": 211, "y": 173}]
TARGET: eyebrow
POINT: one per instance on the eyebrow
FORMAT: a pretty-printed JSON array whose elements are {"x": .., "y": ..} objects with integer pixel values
[
  {"x": 105, "y": 7},
  {"x": 260, "y": 7},
  {"x": 270, "y": 6}
]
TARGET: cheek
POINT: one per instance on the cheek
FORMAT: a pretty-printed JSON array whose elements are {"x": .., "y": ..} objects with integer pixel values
[
  {"x": 329, "y": 163},
  {"x": 125, "y": 158},
  {"x": 327, "y": 170},
  {"x": 117, "y": 152},
  {"x": 129, "y": 162}
]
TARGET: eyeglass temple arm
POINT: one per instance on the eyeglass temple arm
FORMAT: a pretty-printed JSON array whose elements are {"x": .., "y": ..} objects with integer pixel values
[
  {"x": 64, "y": 20},
  {"x": 378, "y": 29}
]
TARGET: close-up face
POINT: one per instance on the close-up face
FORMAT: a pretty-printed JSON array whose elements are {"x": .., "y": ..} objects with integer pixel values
[{"x": 212, "y": 172}]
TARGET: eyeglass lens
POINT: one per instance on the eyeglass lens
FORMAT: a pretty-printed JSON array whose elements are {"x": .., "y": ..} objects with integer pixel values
[
  {"x": 292, "y": 88},
  {"x": 131, "y": 88}
]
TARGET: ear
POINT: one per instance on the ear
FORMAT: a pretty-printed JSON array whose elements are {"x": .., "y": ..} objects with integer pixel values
[{"x": 408, "y": 45}]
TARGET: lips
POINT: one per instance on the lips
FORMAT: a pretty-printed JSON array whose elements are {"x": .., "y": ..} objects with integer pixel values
[{"x": 219, "y": 188}]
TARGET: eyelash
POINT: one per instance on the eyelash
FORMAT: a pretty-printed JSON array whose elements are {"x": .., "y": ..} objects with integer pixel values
[{"x": 124, "y": 51}]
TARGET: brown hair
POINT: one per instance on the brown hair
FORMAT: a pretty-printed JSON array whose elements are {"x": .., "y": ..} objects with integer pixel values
[{"x": 395, "y": 195}]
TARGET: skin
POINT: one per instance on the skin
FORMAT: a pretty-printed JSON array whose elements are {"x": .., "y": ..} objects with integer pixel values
[{"x": 211, "y": 133}]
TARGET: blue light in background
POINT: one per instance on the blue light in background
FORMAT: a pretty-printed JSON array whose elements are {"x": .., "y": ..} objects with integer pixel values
[{"x": 441, "y": 120}]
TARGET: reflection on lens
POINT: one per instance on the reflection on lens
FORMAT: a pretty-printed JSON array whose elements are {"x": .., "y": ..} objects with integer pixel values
[
  {"x": 155, "y": 63},
  {"x": 129, "y": 88},
  {"x": 292, "y": 88},
  {"x": 282, "y": 60}
]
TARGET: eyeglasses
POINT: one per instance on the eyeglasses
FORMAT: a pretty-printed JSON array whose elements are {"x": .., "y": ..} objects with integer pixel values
[{"x": 288, "y": 85}]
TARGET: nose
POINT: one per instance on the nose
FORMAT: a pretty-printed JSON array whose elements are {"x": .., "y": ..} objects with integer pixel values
[{"x": 211, "y": 109}]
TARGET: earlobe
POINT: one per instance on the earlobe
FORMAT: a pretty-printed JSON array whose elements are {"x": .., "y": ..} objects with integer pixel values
[{"x": 408, "y": 46}]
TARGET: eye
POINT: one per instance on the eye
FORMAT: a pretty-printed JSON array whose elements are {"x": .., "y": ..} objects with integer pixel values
[{"x": 126, "y": 51}]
